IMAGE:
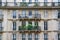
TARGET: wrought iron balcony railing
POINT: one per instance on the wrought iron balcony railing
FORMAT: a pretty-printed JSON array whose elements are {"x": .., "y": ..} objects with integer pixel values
[
  {"x": 27, "y": 4},
  {"x": 29, "y": 28},
  {"x": 38, "y": 16}
]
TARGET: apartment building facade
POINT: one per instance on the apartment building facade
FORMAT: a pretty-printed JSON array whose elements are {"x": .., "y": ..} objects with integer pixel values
[{"x": 29, "y": 19}]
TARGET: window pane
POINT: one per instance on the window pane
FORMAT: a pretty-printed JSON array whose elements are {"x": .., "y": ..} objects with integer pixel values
[
  {"x": 14, "y": 25},
  {"x": 29, "y": 36},
  {"x": 45, "y": 25},
  {"x": 36, "y": 0},
  {"x": 45, "y": 13},
  {"x": 23, "y": 13},
  {"x": 45, "y": 36},
  {"x": 23, "y": 23},
  {"x": 23, "y": 0},
  {"x": 0, "y": 2},
  {"x": 14, "y": 14},
  {"x": 58, "y": 14},
  {"x": 36, "y": 36},
  {"x": 14, "y": 36},
  {"x": 58, "y": 36},
  {"x": 23, "y": 36},
  {"x": 30, "y": 13},
  {"x": 59, "y": 25}
]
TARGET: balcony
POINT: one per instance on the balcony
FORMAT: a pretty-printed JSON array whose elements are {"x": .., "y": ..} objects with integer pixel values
[
  {"x": 35, "y": 17},
  {"x": 27, "y": 5},
  {"x": 29, "y": 28}
]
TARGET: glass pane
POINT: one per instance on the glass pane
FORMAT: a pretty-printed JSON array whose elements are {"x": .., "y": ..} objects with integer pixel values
[
  {"x": 23, "y": 23},
  {"x": 30, "y": 13},
  {"x": 23, "y": 13},
  {"x": 36, "y": 36},
  {"x": 23, "y": 36},
  {"x": 14, "y": 14},
  {"x": 45, "y": 36},
  {"x": 45, "y": 25},
  {"x": 29, "y": 36},
  {"x": 14, "y": 36},
  {"x": 14, "y": 25}
]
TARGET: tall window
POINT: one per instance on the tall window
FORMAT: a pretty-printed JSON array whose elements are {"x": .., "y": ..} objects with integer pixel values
[
  {"x": 30, "y": 36},
  {"x": 0, "y": 2},
  {"x": 23, "y": 23},
  {"x": 45, "y": 13},
  {"x": 36, "y": 37},
  {"x": 14, "y": 36},
  {"x": 14, "y": 14},
  {"x": 36, "y": 13},
  {"x": 23, "y": 36},
  {"x": 45, "y": 25},
  {"x": 59, "y": 25},
  {"x": 23, "y": 13},
  {"x": 23, "y": 0},
  {"x": 58, "y": 36},
  {"x": 36, "y": 0},
  {"x": 30, "y": 14},
  {"x": 45, "y": 36},
  {"x": 0, "y": 25},
  {"x": 14, "y": 25},
  {"x": 36, "y": 23},
  {"x": 14, "y": 2},
  {"x": 30, "y": 1},
  {"x": 0, "y": 36},
  {"x": 58, "y": 14}
]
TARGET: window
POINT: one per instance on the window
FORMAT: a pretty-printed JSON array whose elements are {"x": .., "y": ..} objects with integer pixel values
[
  {"x": 14, "y": 36},
  {"x": 45, "y": 36},
  {"x": 0, "y": 2},
  {"x": 58, "y": 14},
  {"x": 58, "y": 36},
  {"x": 36, "y": 23},
  {"x": 23, "y": 23},
  {"x": 14, "y": 25},
  {"x": 23, "y": 0},
  {"x": 36, "y": 0},
  {"x": 36, "y": 13},
  {"x": 23, "y": 13},
  {"x": 30, "y": 36},
  {"x": 36, "y": 37},
  {"x": 45, "y": 25},
  {"x": 30, "y": 1},
  {"x": 14, "y": 14},
  {"x": 0, "y": 36},
  {"x": 59, "y": 25},
  {"x": 45, "y": 13},
  {"x": 30, "y": 22},
  {"x": 45, "y": 1},
  {"x": 23, "y": 36},
  {"x": 30, "y": 13},
  {"x": 0, "y": 25}
]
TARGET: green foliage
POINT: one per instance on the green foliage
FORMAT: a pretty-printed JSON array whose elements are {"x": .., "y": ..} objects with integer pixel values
[
  {"x": 36, "y": 5},
  {"x": 29, "y": 27},
  {"x": 23, "y": 4}
]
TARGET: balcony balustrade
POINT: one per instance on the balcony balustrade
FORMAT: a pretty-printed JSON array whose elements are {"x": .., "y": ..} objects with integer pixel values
[
  {"x": 29, "y": 5},
  {"x": 37, "y": 16},
  {"x": 29, "y": 28}
]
